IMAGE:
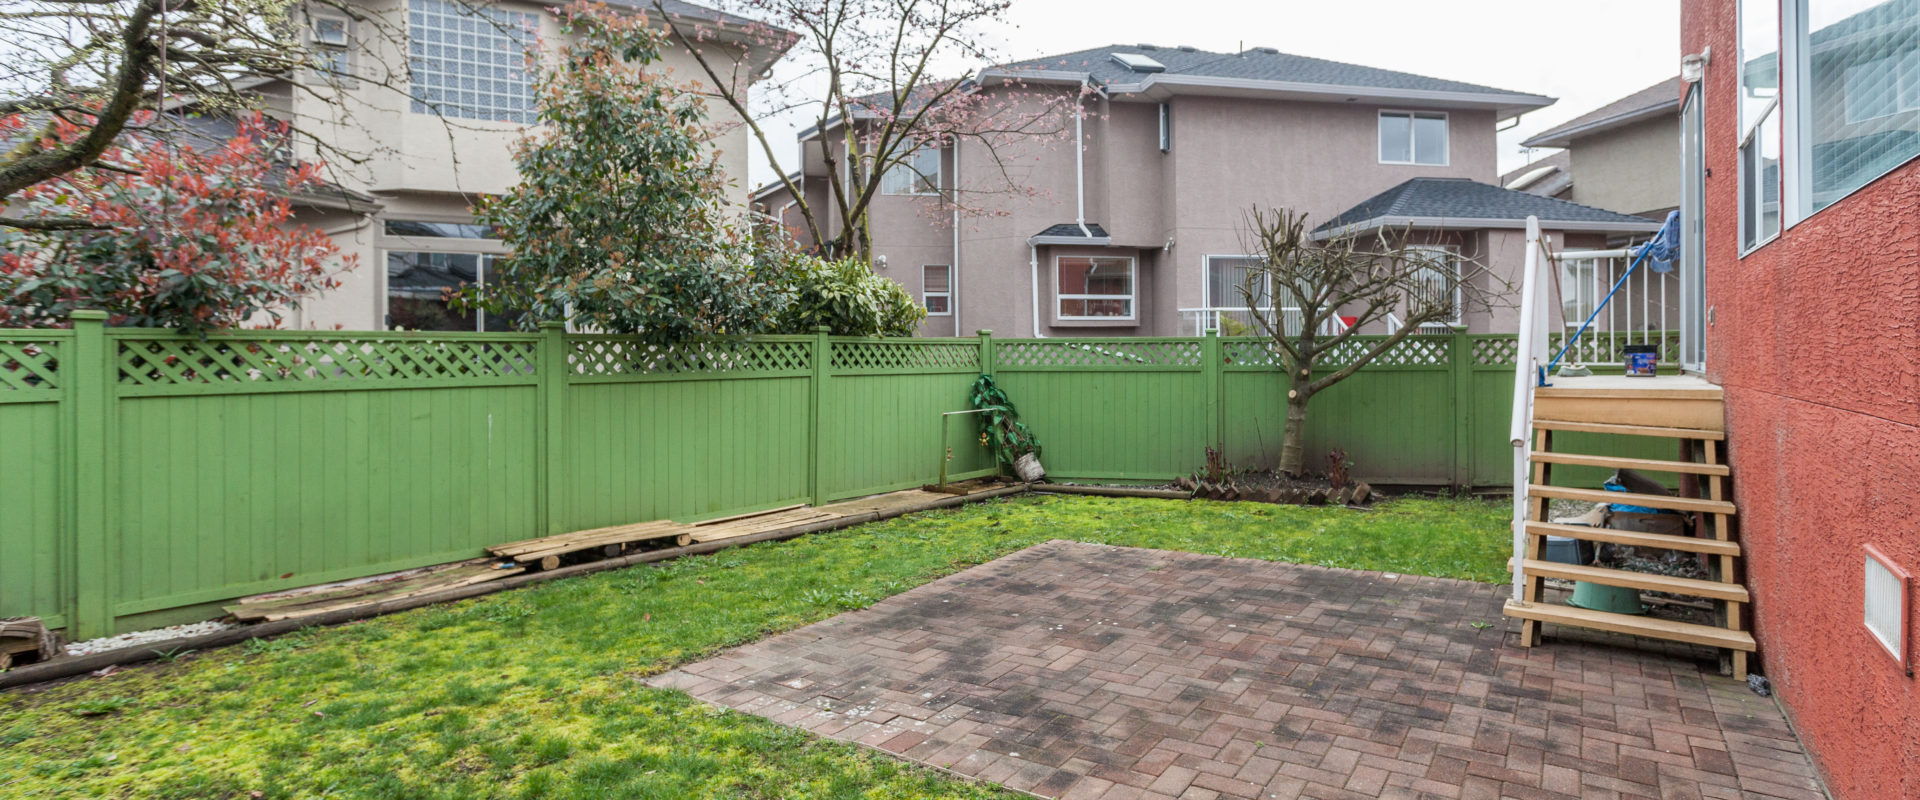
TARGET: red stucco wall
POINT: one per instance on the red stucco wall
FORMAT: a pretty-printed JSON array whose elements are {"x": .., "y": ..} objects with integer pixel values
[{"x": 1816, "y": 339}]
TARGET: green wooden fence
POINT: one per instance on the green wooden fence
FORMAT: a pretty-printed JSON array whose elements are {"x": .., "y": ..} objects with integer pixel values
[{"x": 150, "y": 473}]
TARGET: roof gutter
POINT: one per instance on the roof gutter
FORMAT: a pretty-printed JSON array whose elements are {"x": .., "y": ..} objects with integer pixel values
[
  {"x": 1482, "y": 223},
  {"x": 1507, "y": 103},
  {"x": 1070, "y": 241}
]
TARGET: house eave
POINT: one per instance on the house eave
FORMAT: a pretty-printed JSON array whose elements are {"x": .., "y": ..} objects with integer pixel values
[
  {"x": 1564, "y": 137},
  {"x": 1505, "y": 104},
  {"x": 1485, "y": 223}
]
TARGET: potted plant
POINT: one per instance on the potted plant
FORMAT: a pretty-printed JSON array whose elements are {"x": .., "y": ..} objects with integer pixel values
[{"x": 1000, "y": 428}]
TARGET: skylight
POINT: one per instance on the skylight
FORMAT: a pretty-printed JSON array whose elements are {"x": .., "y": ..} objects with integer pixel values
[{"x": 1139, "y": 63}]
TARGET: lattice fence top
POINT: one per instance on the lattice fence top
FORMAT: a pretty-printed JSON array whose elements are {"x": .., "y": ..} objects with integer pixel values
[
  {"x": 267, "y": 360},
  {"x": 1610, "y": 348},
  {"x": 905, "y": 356},
  {"x": 607, "y": 356},
  {"x": 1413, "y": 351},
  {"x": 1142, "y": 353},
  {"x": 29, "y": 367},
  {"x": 1503, "y": 351},
  {"x": 1249, "y": 353}
]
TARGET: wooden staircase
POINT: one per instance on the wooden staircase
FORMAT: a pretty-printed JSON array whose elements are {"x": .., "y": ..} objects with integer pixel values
[{"x": 1684, "y": 409}]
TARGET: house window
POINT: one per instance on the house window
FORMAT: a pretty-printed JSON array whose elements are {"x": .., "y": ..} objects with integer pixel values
[
  {"x": 1408, "y": 137},
  {"x": 1579, "y": 290},
  {"x": 917, "y": 174},
  {"x": 1094, "y": 288},
  {"x": 428, "y": 260},
  {"x": 1437, "y": 282},
  {"x": 1166, "y": 127},
  {"x": 1235, "y": 282},
  {"x": 469, "y": 62},
  {"x": 331, "y": 36},
  {"x": 1885, "y": 604},
  {"x": 936, "y": 289},
  {"x": 1759, "y": 81},
  {"x": 1856, "y": 95}
]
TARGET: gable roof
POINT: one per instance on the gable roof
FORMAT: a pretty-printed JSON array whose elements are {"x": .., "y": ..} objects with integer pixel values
[
  {"x": 1648, "y": 103},
  {"x": 1259, "y": 70},
  {"x": 1459, "y": 203}
]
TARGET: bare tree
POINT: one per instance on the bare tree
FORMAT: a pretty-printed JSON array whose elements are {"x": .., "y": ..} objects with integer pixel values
[
  {"x": 863, "y": 72},
  {"x": 1368, "y": 277}
]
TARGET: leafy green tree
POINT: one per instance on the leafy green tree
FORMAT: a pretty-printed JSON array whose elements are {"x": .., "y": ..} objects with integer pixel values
[
  {"x": 617, "y": 220},
  {"x": 842, "y": 294}
]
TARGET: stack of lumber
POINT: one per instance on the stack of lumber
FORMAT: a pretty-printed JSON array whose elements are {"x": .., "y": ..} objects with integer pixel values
[
  {"x": 756, "y": 522},
  {"x": 290, "y": 605},
  {"x": 545, "y": 553},
  {"x": 24, "y": 636}
]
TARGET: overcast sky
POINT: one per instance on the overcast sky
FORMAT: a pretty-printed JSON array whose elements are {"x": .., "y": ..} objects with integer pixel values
[{"x": 1584, "y": 52}]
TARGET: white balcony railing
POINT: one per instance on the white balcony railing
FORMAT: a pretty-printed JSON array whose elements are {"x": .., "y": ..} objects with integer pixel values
[
  {"x": 1231, "y": 321},
  {"x": 1645, "y": 309}
]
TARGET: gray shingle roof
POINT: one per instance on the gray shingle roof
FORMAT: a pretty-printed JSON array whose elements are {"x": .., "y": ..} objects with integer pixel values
[
  {"x": 1643, "y": 104},
  {"x": 1259, "y": 63},
  {"x": 1471, "y": 201},
  {"x": 1073, "y": 229}
]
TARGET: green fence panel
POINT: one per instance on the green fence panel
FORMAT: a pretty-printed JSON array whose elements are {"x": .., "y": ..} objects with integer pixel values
[
  {"x": 33, "y": 424},
  {"x": 258, "y": 462},
  {"x": 1113, "y": 409},
  {"x": 686, "y": 433},
  {"x": 882, "y": 426}
]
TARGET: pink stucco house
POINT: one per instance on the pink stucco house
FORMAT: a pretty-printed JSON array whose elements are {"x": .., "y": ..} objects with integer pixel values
[{"x": 1139, "y": 233}]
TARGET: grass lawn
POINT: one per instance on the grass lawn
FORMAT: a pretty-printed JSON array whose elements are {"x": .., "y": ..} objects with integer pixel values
[{"x": 533, "y": 692}]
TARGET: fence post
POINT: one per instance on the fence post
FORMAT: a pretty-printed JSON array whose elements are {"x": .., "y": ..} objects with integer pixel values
[
  {"x": 816, "y": 418},
  {"x": 1211, "y": 379},
  {"x": 89, "y": 386},
  {"x": 1460, "y": 367},
  {"x": 986, "y": 351},
  {"x": 549, "y": 407}
]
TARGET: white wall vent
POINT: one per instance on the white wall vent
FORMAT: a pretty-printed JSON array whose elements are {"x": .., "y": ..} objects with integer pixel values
[{"x": 1887, "y": 589}]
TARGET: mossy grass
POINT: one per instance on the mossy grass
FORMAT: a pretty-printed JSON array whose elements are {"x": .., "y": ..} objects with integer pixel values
[{"x": 536, "y": 693}]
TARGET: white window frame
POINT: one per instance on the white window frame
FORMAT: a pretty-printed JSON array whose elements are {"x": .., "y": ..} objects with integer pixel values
[
  {"x": 340, "y": 50},
  {"x": 1796, "y": 143},
  {"x": 1206, "y": 282},
  {"x": 947, "y": 295},
  {"x": 1413, "y": 135},
  {"x": 1166, "y": 127},
  {"x": 905, "y": 166},
  {"x": 1132, "y": 296},
  {"x": 489, "y": 251},
  {"x": 1773, "y": 113},
  {"x": 1459, "y": 296}
]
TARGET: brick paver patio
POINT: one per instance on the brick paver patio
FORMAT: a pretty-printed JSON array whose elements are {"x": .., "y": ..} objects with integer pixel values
[{"x": 1075, "y": 670}]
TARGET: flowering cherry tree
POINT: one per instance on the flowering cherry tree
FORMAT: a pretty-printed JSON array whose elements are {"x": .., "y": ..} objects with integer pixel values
[
  {"x": 883, "y": 81},
  {"x": 169, "y": 234}
]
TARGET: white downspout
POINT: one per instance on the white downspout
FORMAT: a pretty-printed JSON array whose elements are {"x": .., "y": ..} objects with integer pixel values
[
  {"x": 1033, "y": 263},
  {"x": 953, "y": 272},
  {"x": 1079, "y": 165}
]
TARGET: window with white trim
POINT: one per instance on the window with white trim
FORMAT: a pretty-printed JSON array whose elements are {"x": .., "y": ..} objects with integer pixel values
[
  {"x": 1438, "y": 282},
  {"x": 1759, "y": 110},
  {"x": 1413, "y": 137},
  {"x": 330, "y": 36},
  {"x": 1855, "y": 100},
  {"x": 917, "y": 174},
  {"x": 1094, "y": 288},
  {"x": 429, "y": 261},
  {"x": 470, "y": 62},
  {"x": 936, "y": 289}
]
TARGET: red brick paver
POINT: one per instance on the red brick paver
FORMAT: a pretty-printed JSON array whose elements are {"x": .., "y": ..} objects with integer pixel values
[{"x": 1076, "y": 670}]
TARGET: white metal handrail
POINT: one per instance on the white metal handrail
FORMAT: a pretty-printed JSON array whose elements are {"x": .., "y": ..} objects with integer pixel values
[{"x": 1527, "y": 364}]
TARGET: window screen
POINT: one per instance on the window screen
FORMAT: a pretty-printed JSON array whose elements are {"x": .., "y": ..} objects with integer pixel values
[
  {"x": 470, "y": 63},
  {"x": 1861, "y": 105}
]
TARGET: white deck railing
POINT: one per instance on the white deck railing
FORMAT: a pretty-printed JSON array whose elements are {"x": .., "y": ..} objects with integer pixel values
[
  {"x": 1230, "y": 321},
  {"x": 1644, "y": 310}
]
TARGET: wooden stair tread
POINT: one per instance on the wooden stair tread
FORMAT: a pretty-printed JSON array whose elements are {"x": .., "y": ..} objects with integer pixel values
[
  {"x": 1690, "y": 544},
  {"x": 1712, "y": 590},
  {"x": 1629, "y": 430},
  {"x": 1636, "y": 625},
  {"x": 1633, "y": 499},
  {"x": 1622, "y": 462}
]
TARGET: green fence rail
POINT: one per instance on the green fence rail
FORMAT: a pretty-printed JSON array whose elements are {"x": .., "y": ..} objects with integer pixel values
[{"x": 150, "y": 474}]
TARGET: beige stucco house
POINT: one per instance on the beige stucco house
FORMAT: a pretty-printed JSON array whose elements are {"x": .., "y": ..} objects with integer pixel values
[
  {"x": 1623, "y": 156},
  {"x": 416, "y": 111},
  {"x": 1140, "y": 232}
]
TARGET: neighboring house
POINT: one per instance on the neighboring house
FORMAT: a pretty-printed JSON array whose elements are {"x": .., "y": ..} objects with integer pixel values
[
  {"x": 438, "y": 95},
  {"x": 1178, "y": 144},
  {"x": 1802, "y": 169},
  {"x": 1622, "y": 156}
]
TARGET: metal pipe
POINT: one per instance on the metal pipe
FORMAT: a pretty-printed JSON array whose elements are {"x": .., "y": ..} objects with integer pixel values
[
  {"x": 1033, "y": 264},
  {"x": 953, "y": 272},
  {"x": 1079, "y": 163}
]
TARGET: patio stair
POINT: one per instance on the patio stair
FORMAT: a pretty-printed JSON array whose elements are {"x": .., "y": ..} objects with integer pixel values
[{"x": 1691, "y": 413}]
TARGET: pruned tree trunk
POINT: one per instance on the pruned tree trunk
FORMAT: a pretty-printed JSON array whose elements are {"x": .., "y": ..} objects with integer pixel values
[{"x": 1293, "y": 439}]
